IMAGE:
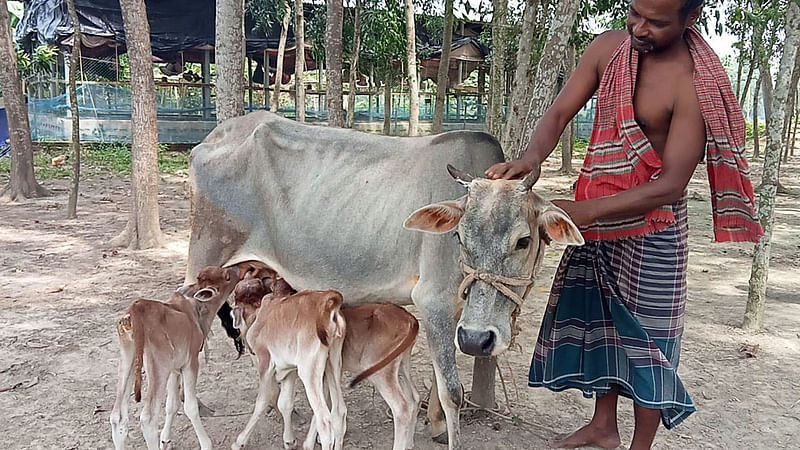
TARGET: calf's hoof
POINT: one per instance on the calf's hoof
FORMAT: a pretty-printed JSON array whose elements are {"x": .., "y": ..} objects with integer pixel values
[
  {"x": 165, "y": 445},
  {"x": 290, "y": 445}
]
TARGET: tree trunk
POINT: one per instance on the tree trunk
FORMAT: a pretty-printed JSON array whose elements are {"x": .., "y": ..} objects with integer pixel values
[
  {"x": 299, "y": 62},
  {"x": 229, "y": 57},
  {"x": 351, "y": 99},
  {"x": 754, "y": 311},
  {"x": 143, "y": 229},
  {"x": 276, "y": 93},
  {"x": 411, "y": 63},
  {"x": 790, "y": 107},
  {"x": 739, "y": 64},
  {"x": 23, "y": 183},
  {"x": 522, "y": 84},
  {"x": 546, "y": 72},
  {"x": 442, "y": 79},
  {"x": 333, "y": 63},
  {"x": 794, "y": 132},
  {"x": 387, "y": 103},
  {"x": 74, "y": 60},
  {"x": 494, "y": 115},
  {"x": 749, "y": 79},
  {"x": 766, "y": 87},
  {"x": 756, "y": 137}
]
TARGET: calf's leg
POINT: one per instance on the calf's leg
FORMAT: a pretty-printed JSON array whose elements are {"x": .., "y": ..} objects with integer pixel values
[
  {"x": 173, "y": 397},
  {"x": 265, "y": 379},
  {"x": 119, "y": 413},
  {"x": 311, "y": 374},
  {"x": 190, "y": 406}
]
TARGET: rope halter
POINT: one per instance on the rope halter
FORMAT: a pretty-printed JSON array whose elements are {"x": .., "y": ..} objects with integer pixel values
[{"x": 499, "y": 282}]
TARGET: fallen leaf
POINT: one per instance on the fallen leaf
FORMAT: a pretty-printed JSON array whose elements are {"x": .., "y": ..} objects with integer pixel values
[
  {"x": 56, "y": 289},
  {"x": 748, "y": 350}
]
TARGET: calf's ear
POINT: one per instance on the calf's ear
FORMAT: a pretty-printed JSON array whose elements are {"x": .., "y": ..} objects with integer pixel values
[
  {"x": 437, "y": 218},
  {"x": 558, "y": 226},
  {"x": 205, "y": 294}
]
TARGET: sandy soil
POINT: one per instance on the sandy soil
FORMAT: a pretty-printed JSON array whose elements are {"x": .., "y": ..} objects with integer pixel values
[{"x": 62, "y": 289}]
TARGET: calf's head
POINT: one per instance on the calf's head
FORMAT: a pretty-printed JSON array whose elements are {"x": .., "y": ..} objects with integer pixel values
[
  {"x": 502, "y": 227},
  {"x": 214, "y": 285}
]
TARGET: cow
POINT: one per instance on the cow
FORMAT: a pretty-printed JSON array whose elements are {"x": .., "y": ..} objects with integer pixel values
[
  {"x": 166, "y": 338},
  {"x": 377, "y": 347},
  {"x": 326, "y": 207},
  {"x": 300, "y": 336}
]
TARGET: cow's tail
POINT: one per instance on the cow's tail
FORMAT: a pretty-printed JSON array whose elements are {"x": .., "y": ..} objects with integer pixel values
[
  {"x": 224, "y": 315},
  {"x": 137, "y": 323},
  {"x": 404, "y": 345},
  {"x": 331, "y": 314}
]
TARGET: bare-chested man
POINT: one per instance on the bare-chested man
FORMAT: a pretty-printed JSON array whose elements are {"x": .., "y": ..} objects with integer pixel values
[{"x": 614, "y": 320}]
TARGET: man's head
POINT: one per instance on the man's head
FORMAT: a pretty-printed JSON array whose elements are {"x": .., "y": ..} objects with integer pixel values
[{"x": 655, "y": 25}]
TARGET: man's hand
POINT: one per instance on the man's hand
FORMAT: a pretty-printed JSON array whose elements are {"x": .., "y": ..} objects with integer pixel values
[
  {"x": 510, "y": 170},
  {"x": 581, "y": 213}
]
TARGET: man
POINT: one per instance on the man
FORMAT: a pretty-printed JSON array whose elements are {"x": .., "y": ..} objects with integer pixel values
[{"x": 614, "y": 320}]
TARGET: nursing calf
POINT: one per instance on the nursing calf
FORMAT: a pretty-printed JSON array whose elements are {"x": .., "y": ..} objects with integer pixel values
[
  {"x": 300, "y": 335},
  {"x": 165, "y": 338},
  {"x": 377, "y": 347}
]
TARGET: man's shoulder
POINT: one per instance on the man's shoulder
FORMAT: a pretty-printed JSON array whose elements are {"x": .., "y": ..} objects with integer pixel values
[{"x": 603, "y": 46}]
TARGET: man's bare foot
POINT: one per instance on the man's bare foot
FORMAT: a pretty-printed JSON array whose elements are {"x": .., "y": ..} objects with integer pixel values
[{"x": 589, "y": 435}]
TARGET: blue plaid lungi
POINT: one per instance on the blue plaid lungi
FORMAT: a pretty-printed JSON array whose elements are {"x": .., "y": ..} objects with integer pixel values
[{"x": 615, "y": 316}]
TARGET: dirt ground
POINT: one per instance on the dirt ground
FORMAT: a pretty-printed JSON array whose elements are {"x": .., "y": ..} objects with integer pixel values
[{"x": 62, "y": 289}]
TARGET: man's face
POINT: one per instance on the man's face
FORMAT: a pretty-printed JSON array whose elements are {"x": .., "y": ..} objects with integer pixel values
[{"x": 656, "y": 24}]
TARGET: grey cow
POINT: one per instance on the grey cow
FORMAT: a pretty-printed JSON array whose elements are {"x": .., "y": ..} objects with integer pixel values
[{"x": 326, "y": 209}]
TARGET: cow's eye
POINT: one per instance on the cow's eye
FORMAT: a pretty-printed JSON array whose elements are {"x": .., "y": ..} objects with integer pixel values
[{"x": 523, "y": 243}]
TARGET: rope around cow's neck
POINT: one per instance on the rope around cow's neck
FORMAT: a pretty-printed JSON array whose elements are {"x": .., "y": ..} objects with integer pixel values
[{"x": 501, "y": 283}]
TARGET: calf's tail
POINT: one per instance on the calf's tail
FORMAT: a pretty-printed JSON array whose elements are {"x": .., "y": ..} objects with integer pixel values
[
  {"x": 330, "y": 314},
  {"x": 407, "y": 342},
  {"x": 138, "y": 350}
]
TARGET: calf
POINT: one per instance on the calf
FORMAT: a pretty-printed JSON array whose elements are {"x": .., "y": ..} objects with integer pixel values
[
  {"x": 377, "y": 346},
  {"x": 299, "y": 335},
  {"x": 166, "y": 338}
]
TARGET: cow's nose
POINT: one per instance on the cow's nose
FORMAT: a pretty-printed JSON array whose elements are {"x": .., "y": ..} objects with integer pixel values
[{"x": 476, "y": 343}]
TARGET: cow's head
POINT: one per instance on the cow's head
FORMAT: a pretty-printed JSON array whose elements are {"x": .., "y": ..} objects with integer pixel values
[{"x": 502, "y": 227}]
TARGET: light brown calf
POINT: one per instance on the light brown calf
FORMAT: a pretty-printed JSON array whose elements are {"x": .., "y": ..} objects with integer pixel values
[
  {"x": 166, "y": 338},
  {"x": 377, "y": 347},
  {"x": 299, "y": 336}
]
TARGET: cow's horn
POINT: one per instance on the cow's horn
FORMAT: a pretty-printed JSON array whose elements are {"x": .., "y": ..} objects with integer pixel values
[
  {"x": 459, "y": 175},
  {"x": 532, "y": 178}
]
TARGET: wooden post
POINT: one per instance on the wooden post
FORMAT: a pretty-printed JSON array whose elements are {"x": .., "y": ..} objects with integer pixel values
[
  {"x": 205, "y": 69},
  {"x": 483, "y": 375}
]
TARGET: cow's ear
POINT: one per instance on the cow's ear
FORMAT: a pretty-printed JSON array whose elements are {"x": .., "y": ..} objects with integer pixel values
[
  {"x": 559, "y": 227},
  {"x": 437, "y": 218}
]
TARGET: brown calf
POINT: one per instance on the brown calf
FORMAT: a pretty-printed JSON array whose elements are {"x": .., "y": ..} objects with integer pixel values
[
  {"x": 300, "y": 335},
  {"x": 377, "y": 346},
  {"x": 165, "y": 338}
]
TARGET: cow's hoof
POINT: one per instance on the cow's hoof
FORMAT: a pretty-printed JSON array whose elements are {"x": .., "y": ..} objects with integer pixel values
[
  {"x": 290, "y": 445},
  {"x": 166, "y": 445},
  {"x": 441, "y": 439}
]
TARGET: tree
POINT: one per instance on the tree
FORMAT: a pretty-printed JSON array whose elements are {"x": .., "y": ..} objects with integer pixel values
[
  {"x": 568, "y": 136},
  {"x": 74, "y": 58},
  {"x": 276, "y": 93},
  {"x": 23, "y": 183},
  {"x": 756, "y": 137},
  {"x": 754, "y": 311},
  {"x": 142, "y": 230},
  {"x": 521, "y": 85},
  {"x": 411, "y": 64},
  {"x": 351, "y": 99},
  {"x": 442, "y": 79},
  {"x": 333, "y": 62},
  {"x": 229, "y": 57},
  {"x": 494, "y": 115},
  {"x": 299, "y": 62},
  {"x": 546, "y": 72}
]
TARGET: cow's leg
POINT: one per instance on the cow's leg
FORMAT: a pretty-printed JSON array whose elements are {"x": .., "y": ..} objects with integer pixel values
[
  {"x": 190, "y": 406},
  {"x": 265, "y": 379},
  {"x": 119, "y": 413},
  {"x": 173, "y": 396},
  {"x": 388, "y": 385},
  {"x": 435, "y": 414},
  {"x": 156, "y": 390},
  {"x": 438, "y": 310},
  {"x": 311, "y": 374},
  {"x": 410, "y": 393},
  {"x": 286, "y": 407}
]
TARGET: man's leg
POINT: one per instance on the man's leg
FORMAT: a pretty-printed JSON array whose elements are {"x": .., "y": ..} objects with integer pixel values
[
  {"x": 647, "y": 421},
  {"x": 602, "y": 430}
]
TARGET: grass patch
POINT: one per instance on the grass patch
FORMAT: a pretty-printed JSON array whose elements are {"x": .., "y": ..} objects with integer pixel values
[{"x": 113, "y": 158}]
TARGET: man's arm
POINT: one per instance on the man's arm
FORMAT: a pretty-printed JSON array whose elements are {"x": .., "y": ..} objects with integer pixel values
[
  {"x": 579, "y": 89},
  {"x": 682, "y": 151}
]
